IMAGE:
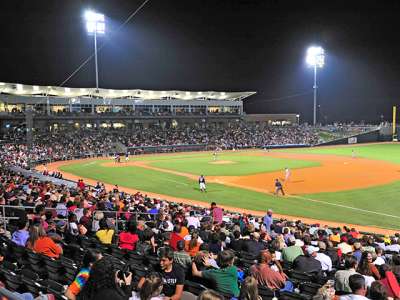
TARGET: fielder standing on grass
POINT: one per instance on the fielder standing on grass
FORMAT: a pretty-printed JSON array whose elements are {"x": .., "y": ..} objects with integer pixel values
[{"x": 202, "y": 183}]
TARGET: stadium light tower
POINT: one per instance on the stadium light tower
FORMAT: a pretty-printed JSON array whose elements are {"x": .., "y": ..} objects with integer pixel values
[
  {"x": 316, "y": 59},
  {"x": 95, "y": 25}
]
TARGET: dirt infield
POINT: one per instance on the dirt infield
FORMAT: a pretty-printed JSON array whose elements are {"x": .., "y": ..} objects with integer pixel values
[{"x": 335, "y": 173}]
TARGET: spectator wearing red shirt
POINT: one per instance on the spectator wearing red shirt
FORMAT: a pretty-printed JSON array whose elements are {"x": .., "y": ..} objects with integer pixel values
[
  {"x": 81, "y": 184},
  {"x": 129, "y": 238},
  {"x": 175, "y": 237},
  {"x": 217, "y": 213}
]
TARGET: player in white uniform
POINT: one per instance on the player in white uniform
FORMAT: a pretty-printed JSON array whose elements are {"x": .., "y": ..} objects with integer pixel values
[
  {"x": 215, "y": 155},
  {"x": 353, "y": 153},
  {"x": 202, "y": 183},
  {"x": 126, "y": 156},
  {"x": 287, "y": 174}
]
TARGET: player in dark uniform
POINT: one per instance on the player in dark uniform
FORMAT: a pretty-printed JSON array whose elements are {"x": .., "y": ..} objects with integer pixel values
[
  {"x": 278, "y": 187},
  {"x": 126, "y": 156},
  {"x": 202, "y": 183}
]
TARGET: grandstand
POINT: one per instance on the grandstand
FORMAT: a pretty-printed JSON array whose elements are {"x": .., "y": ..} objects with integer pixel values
[{"x": 52, "y": 228}]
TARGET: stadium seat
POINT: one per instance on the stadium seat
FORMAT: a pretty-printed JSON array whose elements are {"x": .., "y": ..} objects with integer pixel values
[
  {"x": 293, "y": 296},
  {"x": 54, "y": 268},
  {"x": 56, "y": 289},
  {"x": 135, "y": 257},
  {"x": 193, "y": 287},
  {"x": 153, "y": 261},
  {"x": 265, "y": 293},
  {"x": 117, "y": 252},
  {"x": 309, "y": 288},
  {"x": 13, "y": 280},
  {"x": 70, "y": 269},
  {"x": 36, "y": 263},
  {"x": 32, "y": 282},
  {"x": 19, "y": 254},
  {"x": 299, "y": 277}
]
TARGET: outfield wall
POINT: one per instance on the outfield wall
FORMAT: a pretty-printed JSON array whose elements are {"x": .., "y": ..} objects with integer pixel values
[{"x": 367, "y": 137}]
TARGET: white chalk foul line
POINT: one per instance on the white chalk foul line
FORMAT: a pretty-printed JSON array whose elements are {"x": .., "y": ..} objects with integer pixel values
[{"x": 345, "y": 206}]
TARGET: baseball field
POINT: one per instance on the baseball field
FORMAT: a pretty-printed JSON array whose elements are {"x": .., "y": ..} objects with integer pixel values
[{"x": 333, "y": 184}]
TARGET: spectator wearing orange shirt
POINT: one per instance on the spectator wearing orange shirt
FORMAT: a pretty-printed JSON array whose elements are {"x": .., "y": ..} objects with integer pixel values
[
  {"x": 45, "y": 245},
  {"x": 184, "y": 230},
  {"x": 193, "y": 246}
]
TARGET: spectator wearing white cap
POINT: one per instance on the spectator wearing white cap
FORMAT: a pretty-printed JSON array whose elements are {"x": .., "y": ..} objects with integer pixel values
[{"x": 308, "y": 263}]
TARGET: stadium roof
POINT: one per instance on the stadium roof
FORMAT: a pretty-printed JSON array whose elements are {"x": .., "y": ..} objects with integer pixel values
[{"x": 55, "y": 91}]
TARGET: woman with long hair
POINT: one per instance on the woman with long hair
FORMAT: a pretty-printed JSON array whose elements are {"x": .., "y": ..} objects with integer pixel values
[
  {"x": 366, "y": 266},
  {"x": 249, "y": 289},
  {"x": 105, "y": 283},
  {"x": 45, "y": 245},
  {"x": 193, "y": 246},
  {"x": 33, "y": 236},
  {"x": 90, "y": 257}
]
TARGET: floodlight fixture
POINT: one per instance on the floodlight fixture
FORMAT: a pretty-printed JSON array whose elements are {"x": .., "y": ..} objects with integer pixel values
[
  {"x": 315, "y": 58},
  {"x": 95, "y": 24}
]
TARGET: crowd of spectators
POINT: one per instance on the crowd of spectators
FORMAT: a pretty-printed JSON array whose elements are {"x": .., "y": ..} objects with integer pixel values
[
  {"x": 69, "y": 144},
  {"x": 169, "y": 250}
]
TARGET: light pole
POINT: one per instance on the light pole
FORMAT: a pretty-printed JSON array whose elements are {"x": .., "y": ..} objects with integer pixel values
[
  {"x": 95, "y": 25},
  {"x": 316, "y": 59}
]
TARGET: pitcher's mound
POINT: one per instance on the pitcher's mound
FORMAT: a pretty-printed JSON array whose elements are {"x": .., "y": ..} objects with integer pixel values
[{"x": 222, "y": 162}]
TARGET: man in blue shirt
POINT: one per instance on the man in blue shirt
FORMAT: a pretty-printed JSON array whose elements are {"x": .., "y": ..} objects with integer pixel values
[
  {"x": 153, "y": 210},
  {"x": 268, "y": 220}
]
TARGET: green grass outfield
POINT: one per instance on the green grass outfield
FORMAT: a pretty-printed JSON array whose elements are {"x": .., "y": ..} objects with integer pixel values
[
  {"x": 242, "y": 164},
  {"x": 376, "y": 206}
]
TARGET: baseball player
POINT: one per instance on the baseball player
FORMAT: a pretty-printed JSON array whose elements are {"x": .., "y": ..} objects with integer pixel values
[
  {"x": 215, "y": 155},
  {"x": 353, "y": 153},
  {"x": 202, "y": 183},
  {"x": 287, "y": 174},
  {"x": 126, "y": 156},
  {"x": 278, "y": 187}
]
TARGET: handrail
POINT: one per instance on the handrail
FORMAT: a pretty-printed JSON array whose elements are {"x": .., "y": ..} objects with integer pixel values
[{"x": 116, "y": 214}]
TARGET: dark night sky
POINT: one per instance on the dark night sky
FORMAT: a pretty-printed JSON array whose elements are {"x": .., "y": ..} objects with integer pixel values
[{"x": 236, "y": 45}]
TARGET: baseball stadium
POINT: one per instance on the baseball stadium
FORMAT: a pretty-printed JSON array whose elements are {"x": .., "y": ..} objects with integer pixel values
[{"x": 149, "y": 193}]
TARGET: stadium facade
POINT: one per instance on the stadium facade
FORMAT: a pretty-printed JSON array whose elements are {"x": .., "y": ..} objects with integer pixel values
[{"x": 53, "y": 107}]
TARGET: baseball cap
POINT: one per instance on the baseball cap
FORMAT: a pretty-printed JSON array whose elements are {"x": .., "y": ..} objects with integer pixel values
[{"x": 312, "y": 249}]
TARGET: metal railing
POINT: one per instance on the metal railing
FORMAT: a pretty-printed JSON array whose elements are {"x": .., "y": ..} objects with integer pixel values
[{"x": 8, "y": 213}]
